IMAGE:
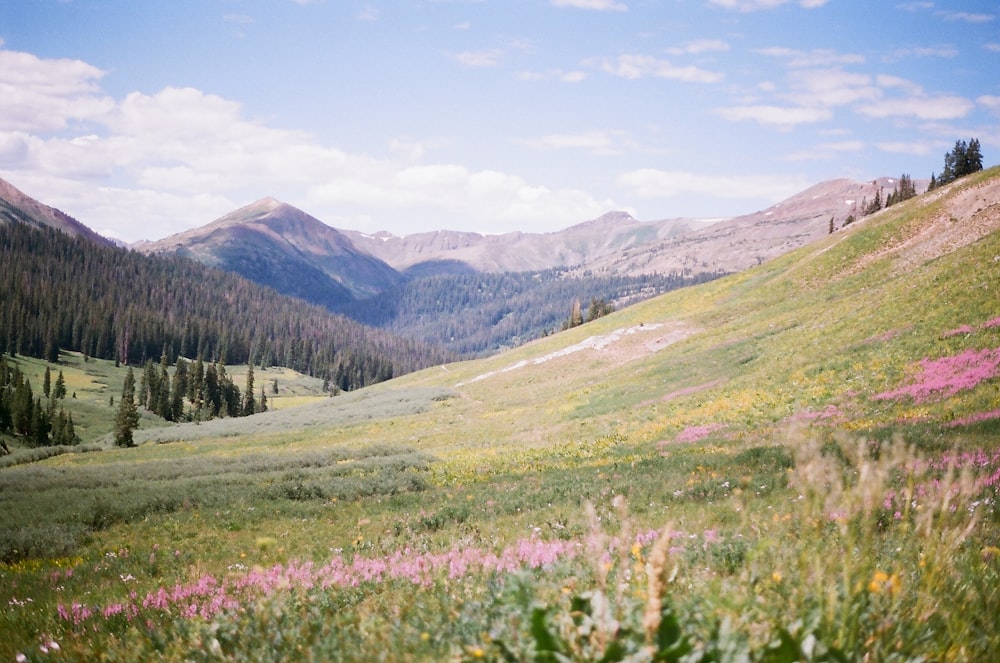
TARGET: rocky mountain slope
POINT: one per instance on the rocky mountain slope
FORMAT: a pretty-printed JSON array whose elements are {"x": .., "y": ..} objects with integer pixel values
[
  {"x": 281, "y": 246},
  {"x": 15, "y": 205},
  {"x": 446, "y": 251},
  {"x": 735, "y": 244}
]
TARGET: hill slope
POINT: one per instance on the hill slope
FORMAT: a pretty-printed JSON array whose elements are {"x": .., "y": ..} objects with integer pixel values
[{"x": 15, "y": 205}]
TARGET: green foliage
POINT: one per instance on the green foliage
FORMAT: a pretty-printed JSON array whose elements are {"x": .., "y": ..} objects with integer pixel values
[{"x": 127, "y": 418}]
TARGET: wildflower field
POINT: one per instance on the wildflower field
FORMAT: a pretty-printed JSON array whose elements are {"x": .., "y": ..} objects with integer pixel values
[{"x": 798, "y": 462}]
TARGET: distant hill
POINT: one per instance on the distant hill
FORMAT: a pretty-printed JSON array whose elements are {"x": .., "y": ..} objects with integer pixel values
[
  {"x": 450, "y": 252},
  {"x": 280, "y": 246},
  {"x": 618, "y": 244},
  {"x": 17, "y": 206},
  {"x": 733, "y": 245}
]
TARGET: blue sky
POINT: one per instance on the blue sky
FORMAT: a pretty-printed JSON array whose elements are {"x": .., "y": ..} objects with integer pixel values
[{"x": 146, "y": 118}]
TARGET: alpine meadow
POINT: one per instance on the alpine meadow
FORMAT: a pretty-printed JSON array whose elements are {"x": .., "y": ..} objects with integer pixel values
[{"x": 799, "y": 461}]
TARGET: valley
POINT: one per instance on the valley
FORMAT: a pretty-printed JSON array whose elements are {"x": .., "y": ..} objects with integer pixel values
[{"x": 795, "y": 461}]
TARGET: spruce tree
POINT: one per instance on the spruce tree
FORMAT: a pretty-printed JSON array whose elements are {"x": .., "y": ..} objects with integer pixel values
[
  {"x": 249, "y": 404},
  {"x": 60, "y": 388},
  {"x": 127, "y": 419}
]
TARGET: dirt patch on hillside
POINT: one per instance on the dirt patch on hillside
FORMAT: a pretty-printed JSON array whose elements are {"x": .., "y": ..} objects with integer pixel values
[
  {"x": 619, "y": 346},
  {"x": 965, "y": 217}
]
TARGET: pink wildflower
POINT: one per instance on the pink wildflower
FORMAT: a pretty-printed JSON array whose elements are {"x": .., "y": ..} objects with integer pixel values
[
  {"x": 695, "y": 433},
  {"x": 948, "y": 375}
]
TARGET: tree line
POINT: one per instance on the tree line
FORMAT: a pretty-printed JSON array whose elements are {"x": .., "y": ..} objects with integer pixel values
[{"x": 67, "y": 293}]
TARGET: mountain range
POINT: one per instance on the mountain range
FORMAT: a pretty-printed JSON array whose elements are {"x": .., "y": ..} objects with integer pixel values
[{"x": 278, "y": 245}]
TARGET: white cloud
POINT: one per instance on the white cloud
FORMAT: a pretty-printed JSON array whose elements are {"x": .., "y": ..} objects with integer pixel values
[
  {"x": 817, "y": 57},
  {"x": 478, "y": 59},
  {"x": 600, "y": 5},
  {"x": 989, "y": 101},
  {"x": 830, "y": 87},
  {"x": 922, "y": 52},
  {"x": 967, "y": 17},
  {"x": 993, "y": 47},
  {"x": 757, "y": 5},
  {"x": 596, "y": 142},
  {"x": 927, "y": 108},
  {"x": 633, "y": 66},
  {"x": 911, "y": 147},
  {"x": 367, "y": 13},
  {"x": 699, "y": 46},
  {"x": 489, "y": 200},
  {"x": 826, "y": 150},
  {"x": 239, "y": 19},
  {"x": 916, "y": 103},
  {"x": 553, "y": 74},
  {"x": 46, "y": 95},
  {"x": 780, "y": 117},
  {"x": 655, "y": 183}
]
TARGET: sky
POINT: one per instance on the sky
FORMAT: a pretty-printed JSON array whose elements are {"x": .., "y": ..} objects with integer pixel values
[{"x": 143, "y": 118}]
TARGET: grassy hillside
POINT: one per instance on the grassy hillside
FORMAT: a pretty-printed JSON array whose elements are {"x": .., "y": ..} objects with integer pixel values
[{"x": 798, "y": 462}]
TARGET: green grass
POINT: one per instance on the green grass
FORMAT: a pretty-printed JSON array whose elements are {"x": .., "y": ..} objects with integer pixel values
[{"x": 805, "y": 517}]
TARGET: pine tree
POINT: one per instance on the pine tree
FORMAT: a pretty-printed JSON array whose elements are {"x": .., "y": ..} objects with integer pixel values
[
  {"x": 163, "y": 403},
  {"x": 249, "y": 404},
  {"x": 127, "y": 419},
  {"x": 47, "y": 382},
  {"x": 60, "y": 388}
]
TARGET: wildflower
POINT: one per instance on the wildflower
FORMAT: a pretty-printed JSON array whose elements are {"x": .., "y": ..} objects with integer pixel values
[
  {"x": 883, "y": 583},
  {"x": 776, "y": 576},
  {"x": 425, "y": 636}
]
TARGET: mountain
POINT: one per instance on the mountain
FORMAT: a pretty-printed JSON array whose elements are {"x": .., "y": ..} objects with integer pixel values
[
  {"x": 618, "y": 244},
  {"x": 447, "y": 251},
  {"x": 735, "y": 244},
  {"x": 280, "y": 246},
  {"x": 16, "y": 206}
]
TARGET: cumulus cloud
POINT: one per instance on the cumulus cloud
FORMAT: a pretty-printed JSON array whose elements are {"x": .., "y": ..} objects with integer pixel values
[
  {"x": 46, "y": 95},
  {"x": 633, "y": 66}
]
